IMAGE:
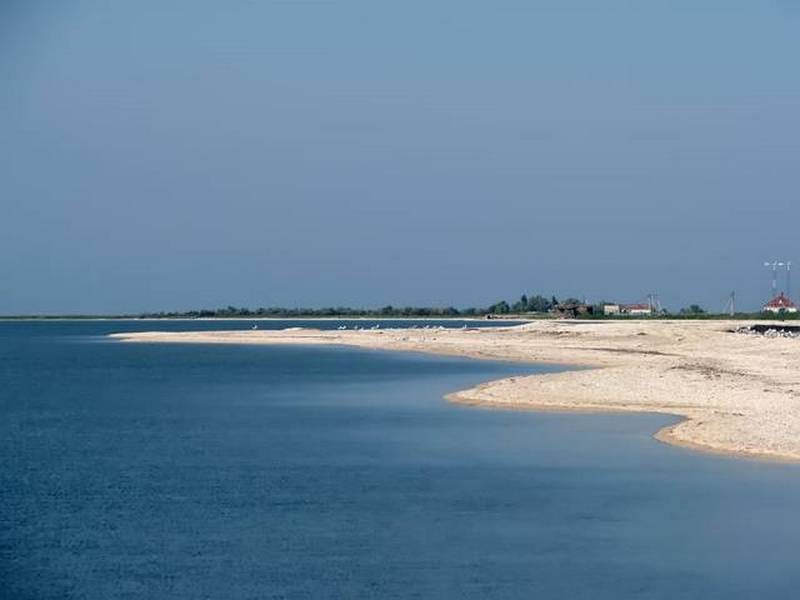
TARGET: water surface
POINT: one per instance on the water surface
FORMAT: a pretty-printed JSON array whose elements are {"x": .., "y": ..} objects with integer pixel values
[{"x": 207, "y": 471}]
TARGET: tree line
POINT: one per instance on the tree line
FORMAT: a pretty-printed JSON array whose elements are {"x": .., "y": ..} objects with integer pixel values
[
  {"x": 532, "y": 304},
  {"x": 529, "y": 306}
]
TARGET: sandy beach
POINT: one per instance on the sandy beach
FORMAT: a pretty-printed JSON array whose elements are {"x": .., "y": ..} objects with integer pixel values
[{"x": 737, "y": 394}]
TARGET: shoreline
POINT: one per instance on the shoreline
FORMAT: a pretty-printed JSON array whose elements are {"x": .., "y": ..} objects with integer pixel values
[
  {"x": 734, "y": 394},
  {"x": 191, "y": 319},
  {"x": 663, "y": 435}
]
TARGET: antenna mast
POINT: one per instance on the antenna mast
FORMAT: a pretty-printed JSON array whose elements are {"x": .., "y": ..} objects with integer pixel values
[
  {"x": 731, "y": 304},
  {"x": 774, "y": 264},
  {"x": 788, "y": 279},
  {"x": 653, "y": 303}
]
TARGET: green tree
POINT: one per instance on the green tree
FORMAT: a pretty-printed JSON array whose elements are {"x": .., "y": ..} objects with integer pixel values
[
  {"x": 500, "y": 308},
  {"x": 522, "y": 305},
  {"x": 693, "y": 309},
  {"x": 539, "y": 304}
]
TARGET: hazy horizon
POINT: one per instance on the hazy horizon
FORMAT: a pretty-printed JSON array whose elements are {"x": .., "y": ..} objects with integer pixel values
[{"x": 195, "y": 154}]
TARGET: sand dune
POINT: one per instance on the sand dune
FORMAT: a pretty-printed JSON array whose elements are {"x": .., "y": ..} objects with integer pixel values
[{"x": 739, "y": 394}]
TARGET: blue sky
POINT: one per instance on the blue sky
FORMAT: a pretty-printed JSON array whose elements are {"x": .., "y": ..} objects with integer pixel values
[{"x": 171, "y": 155}]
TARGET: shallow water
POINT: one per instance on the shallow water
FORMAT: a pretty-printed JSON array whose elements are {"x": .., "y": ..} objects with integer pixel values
[{"x": 206, "y": 471}]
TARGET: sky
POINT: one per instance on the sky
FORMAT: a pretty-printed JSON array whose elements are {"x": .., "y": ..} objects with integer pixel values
[{"x": 169, "y": 155}]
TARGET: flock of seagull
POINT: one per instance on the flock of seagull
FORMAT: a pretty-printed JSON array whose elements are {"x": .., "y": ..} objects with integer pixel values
[{"x": 377, "y": 326}]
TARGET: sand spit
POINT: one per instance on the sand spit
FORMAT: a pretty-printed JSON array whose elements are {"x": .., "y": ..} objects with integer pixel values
[{"x": 738, "y": 394}]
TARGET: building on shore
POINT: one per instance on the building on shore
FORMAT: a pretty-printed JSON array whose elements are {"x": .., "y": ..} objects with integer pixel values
[
  {"x": 780, "y": 304},
  {"x": 636, "y": 309},
  {"x": 631, "y": 310}
]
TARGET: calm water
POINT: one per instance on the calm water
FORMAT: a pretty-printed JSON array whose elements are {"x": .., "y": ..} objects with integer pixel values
[{"x": 179, "y": 471}]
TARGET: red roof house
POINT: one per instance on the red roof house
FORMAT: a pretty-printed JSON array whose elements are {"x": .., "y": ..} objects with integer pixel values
[
  {"x": 780, "y": 303},
  {"x": 637, "y": 309}
]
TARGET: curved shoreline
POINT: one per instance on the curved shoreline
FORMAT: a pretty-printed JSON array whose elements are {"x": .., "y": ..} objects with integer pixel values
[
  {"x": 664, "y": 435},
  {"x": 735, "y": 394}
]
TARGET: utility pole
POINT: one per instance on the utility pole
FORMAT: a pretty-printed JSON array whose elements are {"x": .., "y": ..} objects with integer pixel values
[
  {"x": 653, "y": 304},
  {"x": 774, "y": 264},
  {"x": 789, "y": 279},
  {"x": 731, "y": 304}
]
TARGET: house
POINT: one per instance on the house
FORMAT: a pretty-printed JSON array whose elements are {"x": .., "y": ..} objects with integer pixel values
[
  {"x": 611, "y": 309},
  {"x": 636, "y": 309},
  {"x": 780, "y": 304}
]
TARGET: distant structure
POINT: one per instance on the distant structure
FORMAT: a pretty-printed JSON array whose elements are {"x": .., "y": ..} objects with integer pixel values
[
  {"x": 789, "y": 278},
  {"x": 730, "y": 305},
  {"x": 780, "y": 304},
  {"x": 570, "y": 311},
  {"x": 637, "y": 309},
  {"x": 654, "y": 303},
  {"x": 774, "y": 266},
  {"x": 632, "y": 310}
]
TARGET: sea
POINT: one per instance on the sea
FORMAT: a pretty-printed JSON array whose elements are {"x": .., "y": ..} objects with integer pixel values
[{"x": 180, "y": 471}]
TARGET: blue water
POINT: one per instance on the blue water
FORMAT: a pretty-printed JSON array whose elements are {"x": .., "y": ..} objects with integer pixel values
[{"x": 193, "y": 471}]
